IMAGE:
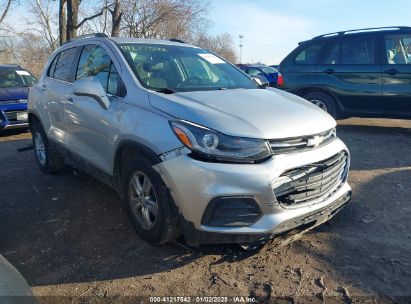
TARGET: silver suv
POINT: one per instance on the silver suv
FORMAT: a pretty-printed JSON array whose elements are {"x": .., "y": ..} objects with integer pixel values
[{"x": 190, "y": 142}]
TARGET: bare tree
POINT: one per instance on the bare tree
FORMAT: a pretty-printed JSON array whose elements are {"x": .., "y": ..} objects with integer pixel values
[
  {"x": 30, "y": 51},
  {"x": 69, "y": 18},
  {"x": 62, "y": 22},
  {"x": 221, "y": 44},
  {"x": 116, "y": 16},
  {"x": 162, "y": 18},
  {"x": 5, "y": 11},
  {"x": 41, "y": 21}
]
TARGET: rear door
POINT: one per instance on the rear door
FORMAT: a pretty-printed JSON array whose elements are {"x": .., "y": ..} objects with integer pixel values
[
  {"x": 397, "y": 74},
  {"x": 58, "y": 88},
  {"x": 351, "y": 69}
]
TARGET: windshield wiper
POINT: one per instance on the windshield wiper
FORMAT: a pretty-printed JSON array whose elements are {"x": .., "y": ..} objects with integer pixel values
[{"x": 165, "y": 91}]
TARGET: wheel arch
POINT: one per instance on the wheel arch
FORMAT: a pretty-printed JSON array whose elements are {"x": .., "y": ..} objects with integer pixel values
[
  {"x": 304, "y": 91},
  {"x": 33, "y": 118},
  {"x": 126, "y": 148}
]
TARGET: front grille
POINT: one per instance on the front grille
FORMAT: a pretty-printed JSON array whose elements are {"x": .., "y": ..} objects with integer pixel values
[
  {"x": 289, "y": 145},
  {"x": 311, "y": 183}
]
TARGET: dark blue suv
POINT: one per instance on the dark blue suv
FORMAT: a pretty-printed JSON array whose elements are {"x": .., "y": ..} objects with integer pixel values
[
  {"x": 269, "y": 73},
  {"x": 14, "y": 89}
]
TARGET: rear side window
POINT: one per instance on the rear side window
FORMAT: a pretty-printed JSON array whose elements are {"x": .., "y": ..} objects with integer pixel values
[
  {"x": 309, "y": 55},
  {"x": 358, "y": 50},
  {"x": 64, "y": 64}
]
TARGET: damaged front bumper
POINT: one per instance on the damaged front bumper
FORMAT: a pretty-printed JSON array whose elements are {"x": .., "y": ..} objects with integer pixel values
[{"x": 195, "y": 185}]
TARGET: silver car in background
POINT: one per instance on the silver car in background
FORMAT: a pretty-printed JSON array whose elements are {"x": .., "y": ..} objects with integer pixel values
[{"x": 190, "y": 142}]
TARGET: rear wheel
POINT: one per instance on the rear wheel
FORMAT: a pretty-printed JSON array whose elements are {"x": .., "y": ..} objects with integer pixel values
[
  {"x": 151, "y": 208},
  {"x": 48, "y": 159},
  {"x": 323, "y": 101}
]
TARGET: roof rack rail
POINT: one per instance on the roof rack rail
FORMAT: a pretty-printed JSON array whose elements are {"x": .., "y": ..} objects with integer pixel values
[
  {"x": 101, "y": 35},
  {"x": 363, "y": 30},
  {"x": 176, "y": 40}
]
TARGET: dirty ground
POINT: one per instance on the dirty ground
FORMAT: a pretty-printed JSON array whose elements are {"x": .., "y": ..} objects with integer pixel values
[{"x": 70, "y": 237}]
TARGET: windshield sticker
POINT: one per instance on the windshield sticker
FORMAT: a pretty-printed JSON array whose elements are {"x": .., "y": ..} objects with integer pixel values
[
  {"x": 211, "y": 58},
  {"x": 23, "y": 73}
]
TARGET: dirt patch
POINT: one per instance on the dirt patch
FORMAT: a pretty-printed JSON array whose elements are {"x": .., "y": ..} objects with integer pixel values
[{"x": 70, "y": 237}]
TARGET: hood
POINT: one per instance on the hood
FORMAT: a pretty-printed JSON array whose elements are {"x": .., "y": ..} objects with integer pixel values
[
  {"x": 255, "y": 113},
  {"x": 13, "y": 93}
]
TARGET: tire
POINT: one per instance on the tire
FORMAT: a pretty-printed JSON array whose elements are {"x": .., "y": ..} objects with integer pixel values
[
  {"x": 47, "y": 158},
  {"x": 323, "y": 101},
  {"x": 155, "y": 228}
]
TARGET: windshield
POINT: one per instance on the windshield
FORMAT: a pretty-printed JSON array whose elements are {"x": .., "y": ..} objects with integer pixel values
[
  {"x": 12, "y": 78},
  {"x": 182, "y": 69},
  {"x": 269, "y": 70}
]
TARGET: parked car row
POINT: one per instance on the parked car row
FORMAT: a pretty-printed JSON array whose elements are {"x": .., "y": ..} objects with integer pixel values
[{"x": 268, "y": 72}]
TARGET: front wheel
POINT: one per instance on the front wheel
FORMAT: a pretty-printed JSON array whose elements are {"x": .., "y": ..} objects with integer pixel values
[
  {"x": 323, "y": 101},
  {"x": 151, "y": 208}
]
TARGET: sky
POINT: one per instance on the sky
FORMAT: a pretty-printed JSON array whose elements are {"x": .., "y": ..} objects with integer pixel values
[{"x": 273, "y": 28}]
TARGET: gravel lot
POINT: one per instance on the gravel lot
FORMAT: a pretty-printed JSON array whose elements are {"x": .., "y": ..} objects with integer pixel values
[{"x": 70, "y": 237}]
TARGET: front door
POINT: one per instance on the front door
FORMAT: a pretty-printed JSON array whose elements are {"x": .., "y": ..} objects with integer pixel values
[
  {"x": 397, "y": 74},
  {"x": 89, "y": 123}
]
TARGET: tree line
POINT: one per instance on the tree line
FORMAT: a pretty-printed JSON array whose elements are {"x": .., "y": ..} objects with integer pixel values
[{"x": 50, "y": 23}]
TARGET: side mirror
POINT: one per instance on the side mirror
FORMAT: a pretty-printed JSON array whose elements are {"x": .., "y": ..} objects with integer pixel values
[
  {"x": 91, "y": 87},
  {"x": 261, "y": 81}
]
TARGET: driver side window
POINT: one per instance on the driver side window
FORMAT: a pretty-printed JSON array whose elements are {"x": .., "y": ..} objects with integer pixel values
[
  {"x": 398, "y": 49},
  {"x": 95, "y": 62}
]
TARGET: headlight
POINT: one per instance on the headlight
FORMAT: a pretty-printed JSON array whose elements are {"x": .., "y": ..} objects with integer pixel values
[{"x": 213, "y": 145}]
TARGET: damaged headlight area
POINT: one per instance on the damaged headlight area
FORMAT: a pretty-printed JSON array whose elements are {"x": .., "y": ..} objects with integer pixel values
[{"x": 211, "y": 145}]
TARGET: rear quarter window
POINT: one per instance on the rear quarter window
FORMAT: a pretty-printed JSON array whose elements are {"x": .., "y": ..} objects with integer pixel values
[{"x": 52, "y": 67}]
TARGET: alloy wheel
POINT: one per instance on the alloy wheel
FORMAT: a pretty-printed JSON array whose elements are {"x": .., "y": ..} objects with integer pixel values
[
  {"x": 319, "y": 104},
  {"x": 143, "y": 200},
  {"x": 40, "y": 148}
]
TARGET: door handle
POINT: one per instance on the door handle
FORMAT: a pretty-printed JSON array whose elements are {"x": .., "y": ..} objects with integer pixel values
[
  {"x": 329, "y": 71},
  {"x": 391, "y": 72}
]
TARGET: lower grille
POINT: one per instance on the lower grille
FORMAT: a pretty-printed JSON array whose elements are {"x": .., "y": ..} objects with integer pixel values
[
  {"x": 312, "y": 182},
  {"x": 231, "y": 212}
]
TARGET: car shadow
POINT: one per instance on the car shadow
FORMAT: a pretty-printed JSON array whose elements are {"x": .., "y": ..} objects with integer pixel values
[{"x": 7, "y": 133}]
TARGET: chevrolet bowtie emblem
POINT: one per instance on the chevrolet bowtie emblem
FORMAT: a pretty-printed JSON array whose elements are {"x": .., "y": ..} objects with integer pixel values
[{"x": 314, "y": 141}]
